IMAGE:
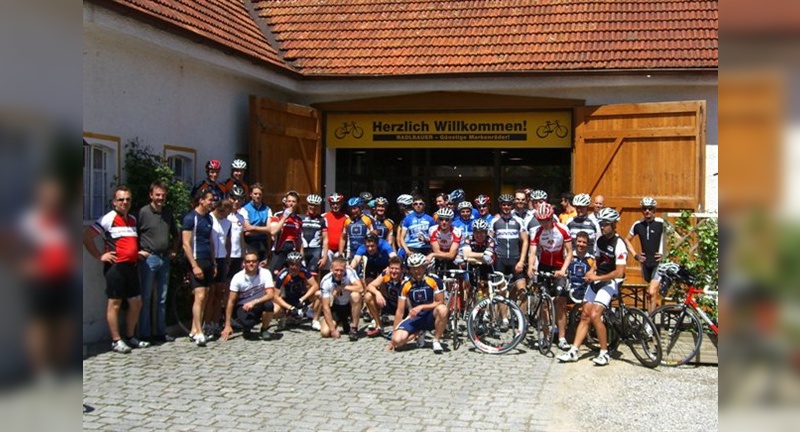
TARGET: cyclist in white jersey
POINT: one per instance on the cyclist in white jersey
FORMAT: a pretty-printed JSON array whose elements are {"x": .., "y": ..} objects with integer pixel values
[{"x": 582, "y": 222}]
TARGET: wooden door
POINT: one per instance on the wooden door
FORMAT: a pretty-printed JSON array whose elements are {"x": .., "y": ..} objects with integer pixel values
[
  {"x": 625, "y": 152},
  {"x": 285, "y": 149}
]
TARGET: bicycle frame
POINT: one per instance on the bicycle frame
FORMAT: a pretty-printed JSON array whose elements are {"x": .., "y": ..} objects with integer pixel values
[{"x": 690, "y": 302}]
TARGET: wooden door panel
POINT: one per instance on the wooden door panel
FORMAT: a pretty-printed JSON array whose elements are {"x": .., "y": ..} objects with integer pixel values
[
  {"x": 625, "y": 152},
  {"x": 286, "y": 149}
]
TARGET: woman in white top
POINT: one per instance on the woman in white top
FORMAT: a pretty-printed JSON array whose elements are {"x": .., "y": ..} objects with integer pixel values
[
  {"x": 221, "y": 236},
  {"x": 237, "y": 218}
]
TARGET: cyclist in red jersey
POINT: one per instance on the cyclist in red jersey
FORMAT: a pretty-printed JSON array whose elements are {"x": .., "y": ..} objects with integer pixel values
[
  {"x": 119, "y": 259},
  {"x": 553, "y": 242},
  {"x": 335, "y": 219},
  {"x": 287, "y": 228}
]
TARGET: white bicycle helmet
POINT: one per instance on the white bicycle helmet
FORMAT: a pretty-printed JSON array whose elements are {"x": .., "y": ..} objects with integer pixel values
[
  {"x": 668, "y": 269},
  {"x": 581, "y": 200},
  {"x": 239, "y": 164},
  {"x": 608, "y": 214},
  {"x": 314, "y": 199},
  {"x": 480, "y": 225},
  {"x": 381, "y": 201},
  {"x": 464, "y": 205},
  {"x": 538, "y": 194},
  {"x": 416, "y": 260},
  {"x": 237, "y": 192},
  {"x": 505, "y": 198},
  {"x": 648, "y": 202},
  {"x": 405, "y": 199},
  {"x": 445, "y": 213},
  {"x": 294, "y": 257}
]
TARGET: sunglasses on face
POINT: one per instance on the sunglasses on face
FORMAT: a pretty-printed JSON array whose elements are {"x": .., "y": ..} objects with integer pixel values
[
  {"x": 419, "y": 203},
  {"x": 602, "y": 224},
  {"x": 250, "y": 261},
  {"x": 505, "y": 204},
  {"x": 648, "y": 208},
  {"x": 441, "y": 219},
  {"x": 123, "y": 199},
  {"x": 483, "y": 206}
]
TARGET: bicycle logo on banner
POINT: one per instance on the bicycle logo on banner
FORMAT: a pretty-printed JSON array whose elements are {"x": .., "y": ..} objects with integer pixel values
[
  {"x": 349, "y": 128},
  {"x": 549, "y": 127}
]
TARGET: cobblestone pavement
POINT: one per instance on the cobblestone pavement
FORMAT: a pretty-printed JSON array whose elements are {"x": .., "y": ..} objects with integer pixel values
[{"x": 305, "y": 382}]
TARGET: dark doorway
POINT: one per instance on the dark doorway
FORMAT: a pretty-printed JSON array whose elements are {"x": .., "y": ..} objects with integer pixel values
[{"x": 391, "y": 172}]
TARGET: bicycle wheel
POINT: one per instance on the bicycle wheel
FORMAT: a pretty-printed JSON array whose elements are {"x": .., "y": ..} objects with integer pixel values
[
  {"x": 681, "y": 333},
  {"x": 179, "y": 304},
  {"x": 544, "y": 319},
  {"x": 486, "y": 330},
  {"x": 642, "y": 337},
  {"x": 573, "y": 319},
  {"x": 453, "y": 312},
  {"x": 593, "y": 342}
]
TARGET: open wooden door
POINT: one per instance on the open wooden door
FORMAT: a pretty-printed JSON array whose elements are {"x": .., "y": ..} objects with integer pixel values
[
  {"x": 285, "y": 149},
  {"x": 625, "y": 152}
]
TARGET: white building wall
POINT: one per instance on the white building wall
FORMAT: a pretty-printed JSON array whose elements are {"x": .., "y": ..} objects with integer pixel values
[{"x": 146, "y": 89}]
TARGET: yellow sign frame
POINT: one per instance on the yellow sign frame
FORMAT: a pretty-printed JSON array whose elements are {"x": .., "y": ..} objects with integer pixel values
[{"x": 538, "y": 129}]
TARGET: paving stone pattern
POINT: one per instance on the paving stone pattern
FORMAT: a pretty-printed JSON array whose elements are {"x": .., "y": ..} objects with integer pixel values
[{"x": 303, "y": 382}]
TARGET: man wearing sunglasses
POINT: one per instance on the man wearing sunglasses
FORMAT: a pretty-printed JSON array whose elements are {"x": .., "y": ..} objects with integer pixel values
[
  {"x": 119, "y": 258},
  {"x": 650, "y": 230},
  {"x": 413, "y": 237}
]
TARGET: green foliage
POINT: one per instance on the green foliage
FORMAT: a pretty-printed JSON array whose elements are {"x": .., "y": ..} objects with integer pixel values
[
  {"x": 694, "y": 244},
  {"x": 142, "y": 167}
]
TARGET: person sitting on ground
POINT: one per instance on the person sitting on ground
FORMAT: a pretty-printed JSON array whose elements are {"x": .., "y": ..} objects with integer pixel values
[
  {"x": 250, "y": 299},
  {"x": 297, "y": 289},
  {"x": 382, "y": 294},
  {"x": 341, "y": 300},
  {"x": 428, "y": 312}
]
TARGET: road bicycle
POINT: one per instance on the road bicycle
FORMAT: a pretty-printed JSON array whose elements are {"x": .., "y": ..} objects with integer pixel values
[
  {"x": 496, "y": 325},
  {"x": 679, "y": 326},
  {"x": 630, "y": 326},
  {"x": 459, "y": 298},
  {"x": 349, "y": 128},
  {"x": 541, "y": 310},
  {"x": 549, "y": 127}
]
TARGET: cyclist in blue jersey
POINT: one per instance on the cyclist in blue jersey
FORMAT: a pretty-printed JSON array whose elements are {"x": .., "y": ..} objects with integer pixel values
[
  {"x": 464, "y": 220},
  {"x": 484, "y": 205},
  {"x": 355, "y": 230},
  {"x": 425, "y": 296},
  {"x": 413, "y": 237},
  {"x": 457, "y": 197},
  {"x": 382, "y": 226},
  {"x": 377, "y": 252},
  {"x": 383, "y": 294}
]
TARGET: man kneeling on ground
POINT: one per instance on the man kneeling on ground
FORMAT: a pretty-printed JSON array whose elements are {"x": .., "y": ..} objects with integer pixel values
[{"x": 251, "y": 294}]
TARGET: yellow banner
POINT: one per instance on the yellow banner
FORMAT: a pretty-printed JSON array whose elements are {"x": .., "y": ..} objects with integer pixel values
[{"x": 491, "y": 129}]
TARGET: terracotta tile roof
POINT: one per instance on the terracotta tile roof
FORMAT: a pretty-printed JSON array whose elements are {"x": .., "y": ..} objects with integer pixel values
[
  {"x": 225, "y": 22},
  {"x": 418, "y": 37},
  {"x": 356, "y": 37}
]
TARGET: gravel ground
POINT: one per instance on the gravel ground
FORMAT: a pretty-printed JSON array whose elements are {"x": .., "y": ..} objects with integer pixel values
[{"x": 624, "y": 396}]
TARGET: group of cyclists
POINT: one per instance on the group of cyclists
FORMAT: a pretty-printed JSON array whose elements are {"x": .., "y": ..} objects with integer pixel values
[{"x": 333, "y": 266}]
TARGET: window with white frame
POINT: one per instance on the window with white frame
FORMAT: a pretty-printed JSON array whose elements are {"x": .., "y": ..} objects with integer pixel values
[
  {"x": 182, "y": 161},
  {"x": 100, "y": 170}
]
